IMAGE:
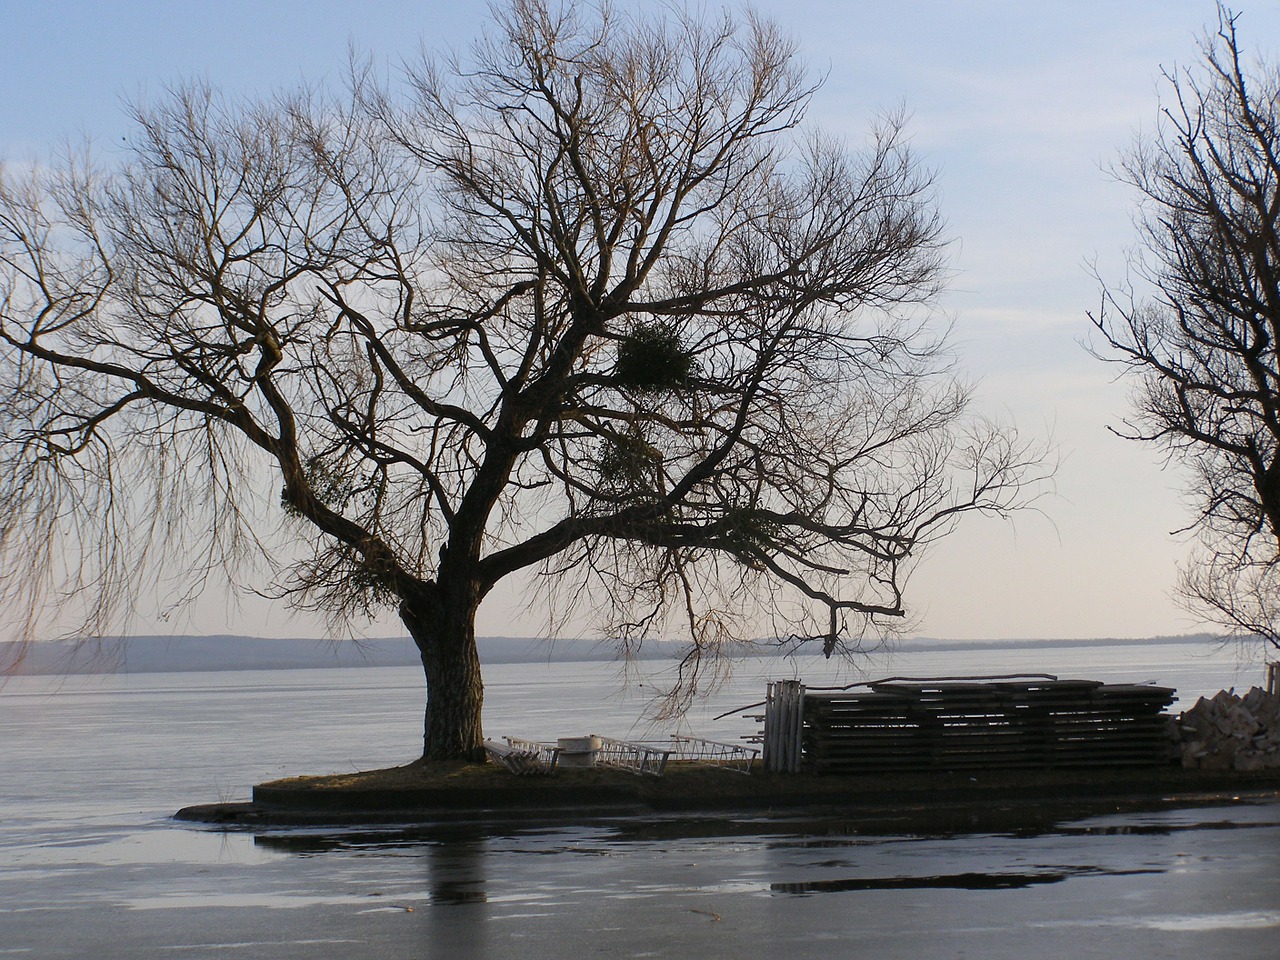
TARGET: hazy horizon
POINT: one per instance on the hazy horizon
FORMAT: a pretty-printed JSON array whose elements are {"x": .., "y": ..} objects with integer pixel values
[{"x": 163, "y": 653}]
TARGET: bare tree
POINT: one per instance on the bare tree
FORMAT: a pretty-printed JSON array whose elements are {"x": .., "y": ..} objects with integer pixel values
[
  {"x": 592, "y": 303},
  {"x": 1203, "y": 345}
]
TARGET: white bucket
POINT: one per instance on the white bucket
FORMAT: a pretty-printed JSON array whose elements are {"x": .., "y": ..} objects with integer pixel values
[{"x": 578, "y": 751}]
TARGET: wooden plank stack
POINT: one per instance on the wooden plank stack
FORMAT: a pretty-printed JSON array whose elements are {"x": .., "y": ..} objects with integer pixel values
[{"x": 958, "y": 725}]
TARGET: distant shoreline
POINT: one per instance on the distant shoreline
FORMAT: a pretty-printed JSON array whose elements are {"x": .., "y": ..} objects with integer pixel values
[{"x": 218, "y": 653}]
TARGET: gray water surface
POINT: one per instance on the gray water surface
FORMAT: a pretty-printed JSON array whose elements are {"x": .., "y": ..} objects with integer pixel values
[
  {"x": 92, "y": 866},
  {"x": 1195, "y": 883}
]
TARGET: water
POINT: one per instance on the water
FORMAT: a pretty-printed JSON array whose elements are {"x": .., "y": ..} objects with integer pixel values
[{"x": 91, "y": 864}]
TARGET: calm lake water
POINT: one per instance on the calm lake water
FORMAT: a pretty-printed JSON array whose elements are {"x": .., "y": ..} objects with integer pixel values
[{"x": 91, "y": 865}]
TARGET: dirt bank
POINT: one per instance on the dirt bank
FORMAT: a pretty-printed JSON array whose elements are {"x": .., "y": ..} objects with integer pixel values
[{"x": 992, "y": 800}]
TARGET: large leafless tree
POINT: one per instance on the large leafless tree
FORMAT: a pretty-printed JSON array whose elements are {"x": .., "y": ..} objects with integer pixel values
[
  {"x": 1204, "y": 343},
  {"x": 593, "y": 302}
]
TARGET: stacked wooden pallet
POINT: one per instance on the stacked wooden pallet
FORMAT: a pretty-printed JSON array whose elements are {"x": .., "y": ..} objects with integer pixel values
[{"x": 956, "y": 725}]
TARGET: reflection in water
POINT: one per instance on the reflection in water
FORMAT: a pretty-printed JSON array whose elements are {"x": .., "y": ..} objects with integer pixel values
[
  {"x": 955, "y": 881},
  {"x": 796, "y": 833},
  {"x": 454, "y": 855},
  {"x": 1158, "y": 829},
  {"x": 457, "y": 921},
  {"x": 308, "y": 842},
  {"x": 455, "y": 873}
]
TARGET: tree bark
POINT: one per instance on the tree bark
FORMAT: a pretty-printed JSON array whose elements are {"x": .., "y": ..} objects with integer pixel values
[{"x": 442, "y": 625}]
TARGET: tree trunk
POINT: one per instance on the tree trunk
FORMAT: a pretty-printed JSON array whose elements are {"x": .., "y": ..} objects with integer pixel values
[{"x": 443, "y": 627}]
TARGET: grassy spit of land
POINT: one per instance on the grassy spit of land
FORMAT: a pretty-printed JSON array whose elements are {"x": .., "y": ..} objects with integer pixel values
[{"x": 966, "y": 800}]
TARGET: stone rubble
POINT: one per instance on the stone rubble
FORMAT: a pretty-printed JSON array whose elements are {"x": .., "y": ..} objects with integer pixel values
[{"x": 1231, "y": 732}]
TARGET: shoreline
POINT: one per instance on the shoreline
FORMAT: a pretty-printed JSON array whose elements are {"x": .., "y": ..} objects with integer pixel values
[{"x": 969, "y": 801}]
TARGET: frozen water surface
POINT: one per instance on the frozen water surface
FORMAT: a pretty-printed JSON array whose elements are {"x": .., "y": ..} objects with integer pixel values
[
  {"x": 92, "y": 866},
  {"x": 1189, "y": 883}
]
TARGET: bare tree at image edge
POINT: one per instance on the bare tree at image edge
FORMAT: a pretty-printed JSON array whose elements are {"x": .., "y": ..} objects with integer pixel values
[
  {"x": 593, "y": 304},
  {"x": 1203, "y": 346}
]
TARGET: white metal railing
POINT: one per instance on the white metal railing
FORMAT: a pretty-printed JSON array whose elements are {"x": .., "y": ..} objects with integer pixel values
[
  {"x": 638, "y": 758},
  {"x": 731, "y": 756},
  {"x": 521, "y": 755},
  {"x": 543, "y": 756}
]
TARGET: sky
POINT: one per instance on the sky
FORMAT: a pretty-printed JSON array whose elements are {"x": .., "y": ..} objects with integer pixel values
[{"x": 1019, "y": 108}]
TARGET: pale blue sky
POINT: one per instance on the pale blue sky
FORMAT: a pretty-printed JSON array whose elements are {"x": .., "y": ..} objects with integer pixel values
[{"x": 1018, "y": 106}]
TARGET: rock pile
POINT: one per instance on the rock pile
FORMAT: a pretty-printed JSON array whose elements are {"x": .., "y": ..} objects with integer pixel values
[{"x": 1230, "y": 732}]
